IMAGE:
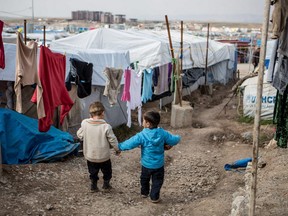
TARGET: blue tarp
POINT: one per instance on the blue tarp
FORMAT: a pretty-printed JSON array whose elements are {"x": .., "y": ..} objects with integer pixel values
[
  {"x": 23, "y": 143},
  {"x": 242, "y": 163}
]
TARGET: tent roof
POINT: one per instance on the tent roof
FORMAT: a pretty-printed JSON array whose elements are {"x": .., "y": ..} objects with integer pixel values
[
  {"x": 148, "y": 52},
  {"x": 194, "y": 48},
  {"x": 151, "y": 48}
]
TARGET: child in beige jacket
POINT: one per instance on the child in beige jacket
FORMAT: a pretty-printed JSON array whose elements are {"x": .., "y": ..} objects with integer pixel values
[{"x": 98, "y": 137}]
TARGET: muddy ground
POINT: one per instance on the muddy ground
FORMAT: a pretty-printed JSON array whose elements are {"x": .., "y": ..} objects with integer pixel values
[{"x": 195, "y": 184}]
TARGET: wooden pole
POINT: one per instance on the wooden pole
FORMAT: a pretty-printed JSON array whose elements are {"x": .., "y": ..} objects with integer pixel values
[
  {"x": 256, "y": 131},
  {"x": 206, "y": 59},
  {"x": 44, "y": 35},
  {"x": 181, "y": 45},
  {"x": 181, "y": 66},
  {"x": 169, "y": 36},
  {"x": 173, "y": 63},
  {"x": 25, "y": 32}
]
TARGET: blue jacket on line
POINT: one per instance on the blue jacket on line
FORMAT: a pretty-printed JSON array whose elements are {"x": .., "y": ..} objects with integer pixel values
[{"x": 152, "y": 143}]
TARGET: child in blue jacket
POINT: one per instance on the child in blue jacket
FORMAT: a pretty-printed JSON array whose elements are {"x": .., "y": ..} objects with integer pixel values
[{"x": 152, "y": 140}]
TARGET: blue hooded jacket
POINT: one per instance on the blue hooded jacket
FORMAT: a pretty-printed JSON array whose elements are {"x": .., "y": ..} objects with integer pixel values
[{"x": 152, "y": 143}]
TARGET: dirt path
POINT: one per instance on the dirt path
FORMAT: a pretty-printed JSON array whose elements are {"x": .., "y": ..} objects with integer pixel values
[{"x": 195, "y": 180}]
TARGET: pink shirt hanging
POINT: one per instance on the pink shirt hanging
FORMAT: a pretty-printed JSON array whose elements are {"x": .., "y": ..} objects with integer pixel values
[{"x": 126, "y": 92}]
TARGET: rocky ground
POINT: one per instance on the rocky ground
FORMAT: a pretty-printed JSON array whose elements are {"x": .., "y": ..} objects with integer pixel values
[{"x": 195, "y": 184}]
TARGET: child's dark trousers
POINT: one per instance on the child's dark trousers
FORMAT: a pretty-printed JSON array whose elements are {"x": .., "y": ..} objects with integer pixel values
[
  {"x": 105, "y": 167},
  {"x": 157, "y": 176}
]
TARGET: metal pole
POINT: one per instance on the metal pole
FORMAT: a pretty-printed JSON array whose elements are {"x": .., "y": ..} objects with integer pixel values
[
  {"x": 44, "y": 35},
  {"x": 206, "y": 60},
  {"x": 25, "y": 32},
  {"x": 251, "y": 53},
  {"x": 32, "y": 11},
  {"x": 32, "y": 17},
  {"x": 256, "y": 131}
]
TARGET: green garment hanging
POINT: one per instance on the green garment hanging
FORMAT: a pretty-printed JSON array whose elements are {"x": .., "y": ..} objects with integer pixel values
[{"x": 281, "y": 119}]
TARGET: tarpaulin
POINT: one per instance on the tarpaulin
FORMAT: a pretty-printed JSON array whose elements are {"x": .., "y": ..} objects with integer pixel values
[{"x": 22, "y": 143}]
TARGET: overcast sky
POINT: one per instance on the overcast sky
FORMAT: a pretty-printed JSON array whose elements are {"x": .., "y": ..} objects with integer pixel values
[{"x": 201, "y": 10}]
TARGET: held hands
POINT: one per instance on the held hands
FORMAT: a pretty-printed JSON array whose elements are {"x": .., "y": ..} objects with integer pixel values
[
  {"x": 167, "y": 147},
  {"x": 117, "y": 152}
]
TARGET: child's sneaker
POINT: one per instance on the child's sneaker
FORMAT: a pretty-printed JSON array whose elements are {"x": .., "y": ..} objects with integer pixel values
[
  {"x": 106, "y": 185},
  {"x": 144, "y": 196},
  {"x": 156, "y": 201},
  {"x": 94, "y": 187}
]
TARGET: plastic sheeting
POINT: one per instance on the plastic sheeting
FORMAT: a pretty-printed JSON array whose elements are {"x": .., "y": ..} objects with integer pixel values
[
  {"x": 8, "y": 74},
  {"x": 100, "y": 60},
  {"x": 194, "y": 48},
  {"x": 148, "y": 52},
  {"x": 151, "y": 49},
  {"x": 116, "y": 115},
  {"x": 249, "y": 98},
  {"x": 22, "y": 143}
]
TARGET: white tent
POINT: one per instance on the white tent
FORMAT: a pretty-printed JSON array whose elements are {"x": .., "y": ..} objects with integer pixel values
[
  {"x": 151, "y": 48},
  {"x": 100, "y": 60},
  {"x": 147, "y": 52},
  {"x": 221, "y": 56},
  {"x": 194, "y": 48}
]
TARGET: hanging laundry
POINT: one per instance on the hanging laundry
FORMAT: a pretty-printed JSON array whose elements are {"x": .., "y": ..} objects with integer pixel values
[
  {"x": 280, "y": 75},
  {"x": 283, "y": 40},
  {"x": 160, "y": 96},
  {"x": 170, "y": 80},
  {"x": 281, "y": 119},
  {"x": 268, "y": 76},
  {"x": 80, "y": 73},
  {"x": 26, "y": 72},
  {"x": 279, "y": 17},
  {"x": 163, "y": 78},
  {"x": 113, "y": 82},
  {"x": 9, "y": 95},
  {"x": 147, "y": 91},
  {"x": 2, "y": 53},
  {"x": 135, "y": 100},
  {"x": 52, "y": 76},
  {"x": 126, "y": 90},
  {"x": 155, "y": 76}
]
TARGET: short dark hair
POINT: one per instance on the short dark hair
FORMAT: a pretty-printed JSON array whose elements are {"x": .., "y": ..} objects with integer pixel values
[
  {"x": 96, "y": 108},
  {"x": 153, "y": 117}
]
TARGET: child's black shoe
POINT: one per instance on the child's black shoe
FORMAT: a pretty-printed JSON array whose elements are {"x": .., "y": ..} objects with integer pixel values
[{"x": 94, "y": 187}]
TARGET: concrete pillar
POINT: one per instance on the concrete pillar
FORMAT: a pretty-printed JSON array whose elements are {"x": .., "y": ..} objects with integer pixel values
[{"x": 181, "y": 116}]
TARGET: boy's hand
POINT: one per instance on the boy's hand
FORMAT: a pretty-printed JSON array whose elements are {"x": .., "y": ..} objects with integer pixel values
[
  {"x": 167, "y": 147},
  {"x": 117, "y": 152}
]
